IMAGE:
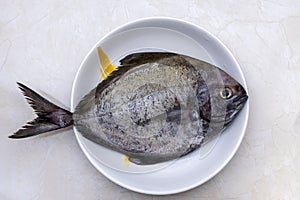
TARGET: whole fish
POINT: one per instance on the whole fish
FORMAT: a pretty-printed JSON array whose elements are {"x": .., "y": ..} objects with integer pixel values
[{"x": 156, "y": 107}]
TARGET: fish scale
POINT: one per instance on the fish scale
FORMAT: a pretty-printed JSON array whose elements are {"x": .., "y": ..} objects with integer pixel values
[{"x": 156, "y": 129}]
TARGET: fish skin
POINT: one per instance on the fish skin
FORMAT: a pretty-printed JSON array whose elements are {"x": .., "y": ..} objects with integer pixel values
[{"x": 158, "y": 107}]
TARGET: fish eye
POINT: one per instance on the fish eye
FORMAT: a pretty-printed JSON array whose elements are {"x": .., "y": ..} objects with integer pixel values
[{"x": 226, "y": 93}]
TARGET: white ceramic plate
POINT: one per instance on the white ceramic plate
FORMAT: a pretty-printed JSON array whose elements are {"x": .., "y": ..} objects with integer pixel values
[{"x": 161, "y": 34}]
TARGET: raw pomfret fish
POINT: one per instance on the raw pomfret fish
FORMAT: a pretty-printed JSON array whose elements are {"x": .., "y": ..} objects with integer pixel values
[{"x": 156, "y": 107}]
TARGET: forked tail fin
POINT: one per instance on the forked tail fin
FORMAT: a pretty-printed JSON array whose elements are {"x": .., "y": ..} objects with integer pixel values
[{"x": 49, "y": 116}]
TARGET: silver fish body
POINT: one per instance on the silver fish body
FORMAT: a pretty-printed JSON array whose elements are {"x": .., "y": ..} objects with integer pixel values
[{"x": 159, "y": 106}]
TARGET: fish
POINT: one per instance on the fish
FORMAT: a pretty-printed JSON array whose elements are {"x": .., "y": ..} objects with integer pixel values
[{"x": 154, "y": 107}]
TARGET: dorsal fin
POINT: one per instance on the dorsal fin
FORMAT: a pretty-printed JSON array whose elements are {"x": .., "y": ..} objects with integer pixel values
[
  {"x": 136, "y": 59},
  {"x": 106, "y": 67}
]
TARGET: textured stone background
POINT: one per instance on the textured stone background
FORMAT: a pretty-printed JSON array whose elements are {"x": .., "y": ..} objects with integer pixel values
[{"x": 43, "y": 42}]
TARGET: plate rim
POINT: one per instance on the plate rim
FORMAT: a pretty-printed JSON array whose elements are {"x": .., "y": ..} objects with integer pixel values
[{"x": 246, "y": 107}]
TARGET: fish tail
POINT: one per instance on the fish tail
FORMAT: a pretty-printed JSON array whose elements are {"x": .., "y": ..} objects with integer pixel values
[{"x": 49, "y": 116}]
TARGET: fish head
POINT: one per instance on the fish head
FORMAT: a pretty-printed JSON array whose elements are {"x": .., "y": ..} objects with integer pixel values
[{"x": 225, "y": 99}]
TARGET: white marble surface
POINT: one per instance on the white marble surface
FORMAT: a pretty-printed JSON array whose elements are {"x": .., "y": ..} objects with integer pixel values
[{"x": 43, "y": 42}]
